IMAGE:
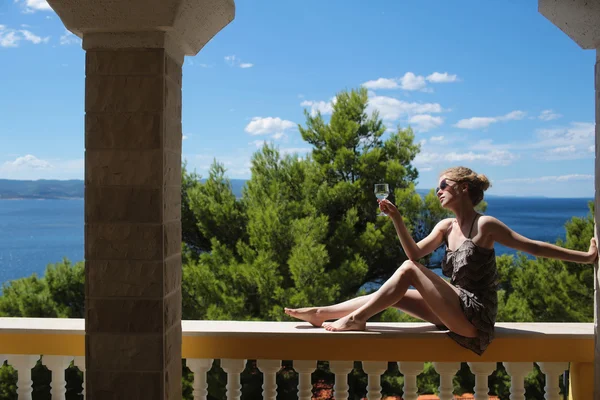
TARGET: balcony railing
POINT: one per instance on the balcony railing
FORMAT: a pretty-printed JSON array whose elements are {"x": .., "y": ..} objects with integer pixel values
[{"x": 555, "y": 347}]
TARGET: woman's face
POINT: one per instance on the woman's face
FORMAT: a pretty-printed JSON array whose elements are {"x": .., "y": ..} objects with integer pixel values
[{"x": 449, "y": 191}]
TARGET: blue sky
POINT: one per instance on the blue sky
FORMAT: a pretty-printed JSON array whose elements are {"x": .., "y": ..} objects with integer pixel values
[{"x": 490, "y": 85}]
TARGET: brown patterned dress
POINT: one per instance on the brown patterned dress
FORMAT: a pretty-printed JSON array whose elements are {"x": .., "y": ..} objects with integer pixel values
[{"x": 472, "y": 269}]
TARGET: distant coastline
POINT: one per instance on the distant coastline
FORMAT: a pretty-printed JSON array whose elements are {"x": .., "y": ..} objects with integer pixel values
[{"x": 74, "y": 189}]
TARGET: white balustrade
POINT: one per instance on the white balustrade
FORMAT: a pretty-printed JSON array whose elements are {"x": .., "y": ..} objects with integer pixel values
[
  {"x": 374, "y": 370},
  {"x": 23, "y": 364},
  {"x": 517, "y": 371},
  {"x": 410, "y": 370},
  {"x": 341, "y": 369},
  {"x": 552, "y": 370},
  {"x": 57, "y": 366},
  {"x": 305, "y": 368},
  {"x": 447, "y": 370},
  {"x": 269, "y": 368},
  {"x": 482, "y": 370},
  {"x": 233, "y": 368},
  {"x": 80, "y": 363},
  {"x": 200, "y": 368}
]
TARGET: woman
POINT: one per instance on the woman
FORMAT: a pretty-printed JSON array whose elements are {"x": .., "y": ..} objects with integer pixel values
[{"x": 467, "y": 305}]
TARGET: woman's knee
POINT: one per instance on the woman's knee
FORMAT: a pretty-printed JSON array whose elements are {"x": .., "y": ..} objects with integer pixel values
[{"x": 408, "y": 269}]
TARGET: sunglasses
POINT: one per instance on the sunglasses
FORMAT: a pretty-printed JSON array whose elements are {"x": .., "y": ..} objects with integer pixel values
[{"x": 444, "y": 185}]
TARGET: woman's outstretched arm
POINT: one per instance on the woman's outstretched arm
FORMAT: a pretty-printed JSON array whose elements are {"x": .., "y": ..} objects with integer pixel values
[
  {"x": 504, "y": 235},
  {"x": 413, "y": 250}
]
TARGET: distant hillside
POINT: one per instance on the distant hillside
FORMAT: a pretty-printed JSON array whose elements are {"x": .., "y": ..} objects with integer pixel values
[
  {"x": 41, "y": 189},
  {"x": 72, "y": 189}
]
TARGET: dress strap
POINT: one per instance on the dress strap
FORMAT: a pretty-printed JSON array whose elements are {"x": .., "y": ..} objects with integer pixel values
[{"x": 473, "y": 224}]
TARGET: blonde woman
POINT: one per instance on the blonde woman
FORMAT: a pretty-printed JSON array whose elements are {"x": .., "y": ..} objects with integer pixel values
[{"x": 468, "y": 304}]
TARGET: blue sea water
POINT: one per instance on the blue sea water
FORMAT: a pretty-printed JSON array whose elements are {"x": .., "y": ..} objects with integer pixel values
[{"x": 34, "y": 233}]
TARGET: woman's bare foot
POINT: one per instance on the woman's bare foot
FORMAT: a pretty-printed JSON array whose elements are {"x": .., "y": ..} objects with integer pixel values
[
  {"x": 308, "y": 314},
  {"x": 348, "y": 323}
]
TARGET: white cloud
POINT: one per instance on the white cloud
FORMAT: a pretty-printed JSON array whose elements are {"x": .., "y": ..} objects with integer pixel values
[
  {"x": 548, "y": 115},
  {"x": 562, "y": 143},
  {"x": 268, "y": 125},
  {"x": 382, "y": 83},
  {"x": 27, "y": 161},
  {"x": 324, "y": 107},
  {"x": 484, "y": 122},
  {"x": 495, "y": 157},
  {"x": 438, "y": 77},
  {"x": 425, "y": 122},
  {"x": 295, "y": 150},
  {"x": 391, "y": 109},
  {"x": 35, "y": 5},
  {"x": 231, "y": 60},
  {"x": 234, "y": 61},
  {"x": 11, "y": 37},
  {"x": 184, "y": 137},
  {"x": 559, "y": 178},
  {"x": 69, "y": 38},
  {"x": 563, "y": 150},
  {"x": 32, "y": 167},
  {"x": 27, "y": 35},
  {"x": 580, "y": 134},
  {"x": 513, "y": 115},
  {"x": 436, "y": 138},
  {"x": 411, "y": 81}
]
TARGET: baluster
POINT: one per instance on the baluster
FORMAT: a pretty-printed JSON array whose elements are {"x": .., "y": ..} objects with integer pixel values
[
  {"x": 341, "y": 369},
  {"x": 410, "y": 370},
  {"x": 23, "y": 364},
  {"x": 305, "y": 368},
  {"x": 447, "y": 371},
  {"x": 80, "y": 363},
  {"x": 199, "y": 367},
  {"x": 233, "y": 368},
  {"x": 269, "y": 368},
  {"x": 374, "y": 370},
  {"x": 517, "y": 371},
  {"x": 57, "y": 366},
  {"x": 552, "y": 370},
  {"x": 482, "y": 370}
]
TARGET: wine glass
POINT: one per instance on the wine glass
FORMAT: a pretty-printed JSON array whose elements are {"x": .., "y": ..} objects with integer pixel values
[{"x": 382, "y": 191}]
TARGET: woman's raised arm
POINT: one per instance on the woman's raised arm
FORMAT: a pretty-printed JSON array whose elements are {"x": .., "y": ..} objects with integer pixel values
[
  {"x": 413, "y": 250},
  {"x": 504, "y": 235}
]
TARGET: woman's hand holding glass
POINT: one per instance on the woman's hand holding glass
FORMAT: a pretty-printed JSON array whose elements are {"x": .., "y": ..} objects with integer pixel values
[{"x": 388, "y": 208}]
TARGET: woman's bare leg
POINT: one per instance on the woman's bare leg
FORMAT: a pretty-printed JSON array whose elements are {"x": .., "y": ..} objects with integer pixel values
[
  {"x": 411, "y": 303},
  {"x": 441, "y": 297},
  {"x": 317, "y": 315}
]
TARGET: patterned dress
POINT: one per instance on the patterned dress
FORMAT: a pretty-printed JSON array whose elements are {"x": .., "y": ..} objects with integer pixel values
[{"x": 472, "y": 269}]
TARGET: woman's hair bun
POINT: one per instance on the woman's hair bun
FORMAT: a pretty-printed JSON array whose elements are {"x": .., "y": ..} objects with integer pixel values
[{"x": 483, "y": 181}]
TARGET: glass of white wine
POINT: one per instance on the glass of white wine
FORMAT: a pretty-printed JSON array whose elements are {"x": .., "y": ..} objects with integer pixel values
[{"x": 382, "y": 191}]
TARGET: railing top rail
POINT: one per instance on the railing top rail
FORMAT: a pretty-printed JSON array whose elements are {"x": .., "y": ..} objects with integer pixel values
[{"x": 300, "y": 341}]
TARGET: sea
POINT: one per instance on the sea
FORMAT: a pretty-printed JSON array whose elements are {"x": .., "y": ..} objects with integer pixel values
[{"x": 35, "y": 233}]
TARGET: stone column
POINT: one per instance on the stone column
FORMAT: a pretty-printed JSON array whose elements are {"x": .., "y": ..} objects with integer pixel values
[
  {"x": 580, "y": 20},
  {"x": 135, "y": 50}
]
